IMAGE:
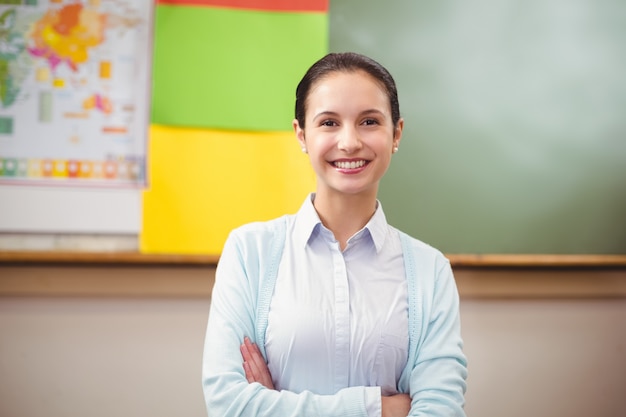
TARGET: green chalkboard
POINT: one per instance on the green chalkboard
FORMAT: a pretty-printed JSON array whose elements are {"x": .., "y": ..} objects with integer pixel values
[{"x": 515, "y": 120}]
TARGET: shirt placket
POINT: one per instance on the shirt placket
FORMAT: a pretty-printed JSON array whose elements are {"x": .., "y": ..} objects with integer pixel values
[{"x": 342, "y": 319}]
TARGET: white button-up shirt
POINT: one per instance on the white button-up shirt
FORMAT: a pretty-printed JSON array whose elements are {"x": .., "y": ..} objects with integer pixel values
[{"x": 337, "y": 318}]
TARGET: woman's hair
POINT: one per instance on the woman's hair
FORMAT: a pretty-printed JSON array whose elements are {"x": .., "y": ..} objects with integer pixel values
[{"x": 346, "y": 62}]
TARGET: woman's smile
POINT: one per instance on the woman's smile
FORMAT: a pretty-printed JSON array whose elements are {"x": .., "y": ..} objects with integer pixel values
[{"x": 351, "y": 166}]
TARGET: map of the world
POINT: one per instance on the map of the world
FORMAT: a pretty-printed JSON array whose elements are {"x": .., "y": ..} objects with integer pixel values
[{"x": 74, "y": 91}]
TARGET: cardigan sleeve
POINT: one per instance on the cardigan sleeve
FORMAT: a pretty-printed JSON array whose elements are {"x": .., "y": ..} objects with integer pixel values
[
  {"x": 232, "y": 316},
  {"x": 438, "y": 378}
]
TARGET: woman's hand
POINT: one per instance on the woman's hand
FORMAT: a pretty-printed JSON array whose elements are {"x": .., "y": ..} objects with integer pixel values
[
  {"x": 397, "y": 405},
  {"x": 254, "y": 365}
]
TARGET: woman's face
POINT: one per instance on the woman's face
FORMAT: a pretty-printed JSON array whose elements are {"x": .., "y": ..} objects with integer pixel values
[{"x": 349, "y": 133}]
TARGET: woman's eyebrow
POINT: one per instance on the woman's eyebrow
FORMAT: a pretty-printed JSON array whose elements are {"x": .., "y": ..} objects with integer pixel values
[
  {"x": 328, "y": 113},
  {"x": 325, "y": 113},
  {"x": 370, "y": 111}
]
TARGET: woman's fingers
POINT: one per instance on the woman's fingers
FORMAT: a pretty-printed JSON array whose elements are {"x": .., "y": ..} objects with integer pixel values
[
  {"x": 255, "y": 354},
  {"x": 254, "y": 365},
  {"x": 248, "y": 372},
  {"x": 249, "y": 365}
]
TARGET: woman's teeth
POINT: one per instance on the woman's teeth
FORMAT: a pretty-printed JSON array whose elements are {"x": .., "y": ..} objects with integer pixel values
[{"x": 350, "y": 164}]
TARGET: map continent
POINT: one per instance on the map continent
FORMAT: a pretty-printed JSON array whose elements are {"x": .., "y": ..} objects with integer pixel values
[
  {"x": 14, "y": 62},
  {"x": 65, "y": 35}
]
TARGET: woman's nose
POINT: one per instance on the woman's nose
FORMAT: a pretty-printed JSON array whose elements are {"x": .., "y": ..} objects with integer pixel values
[{"x": 348, "y": 140}]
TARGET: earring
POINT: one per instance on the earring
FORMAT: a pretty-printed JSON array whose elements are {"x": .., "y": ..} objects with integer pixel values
[
  {"x": 395, "y": 149},
  {"x": 304, "y": 150}
]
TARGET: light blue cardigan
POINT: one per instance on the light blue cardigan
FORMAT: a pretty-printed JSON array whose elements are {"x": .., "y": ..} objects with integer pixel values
[{"x": 435, "y": 373}]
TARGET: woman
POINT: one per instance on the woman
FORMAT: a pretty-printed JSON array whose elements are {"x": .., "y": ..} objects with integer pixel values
[{"x": 331, "y": 311}]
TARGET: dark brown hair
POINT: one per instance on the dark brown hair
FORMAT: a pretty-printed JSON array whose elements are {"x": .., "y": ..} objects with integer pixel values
[{"x": 346, "y": 62}]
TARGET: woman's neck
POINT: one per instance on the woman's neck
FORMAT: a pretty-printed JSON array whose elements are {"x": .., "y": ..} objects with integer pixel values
[{"x": 344, "y": 215}]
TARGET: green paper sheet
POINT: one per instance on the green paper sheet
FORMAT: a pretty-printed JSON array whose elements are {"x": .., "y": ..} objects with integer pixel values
[{"x": 231, "y": 69}]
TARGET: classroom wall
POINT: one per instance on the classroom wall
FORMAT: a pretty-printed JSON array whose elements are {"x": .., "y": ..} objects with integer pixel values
[
  {"x": 514, "y": 129},
  {"x": 128, "y": 354}
]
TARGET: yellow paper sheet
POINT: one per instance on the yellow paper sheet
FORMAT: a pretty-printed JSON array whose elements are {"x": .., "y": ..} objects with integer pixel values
[{"x": 204, "y": 183}]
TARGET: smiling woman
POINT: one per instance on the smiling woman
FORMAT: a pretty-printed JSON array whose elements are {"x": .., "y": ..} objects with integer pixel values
[
  {"x": 349, "y": 134},
  {"x": 332, "y": 311}
]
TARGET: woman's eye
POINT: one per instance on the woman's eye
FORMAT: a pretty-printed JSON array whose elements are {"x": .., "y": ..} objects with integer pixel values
[
  {"x": 370, "y": 122},
  {"x": 328, "y": 123}
]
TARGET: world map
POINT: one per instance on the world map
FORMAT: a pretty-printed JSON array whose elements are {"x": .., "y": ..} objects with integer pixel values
[{"x": 73, "y": 89}]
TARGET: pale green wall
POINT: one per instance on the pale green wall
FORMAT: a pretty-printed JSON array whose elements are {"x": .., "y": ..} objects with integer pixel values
[{"x": 515, "y": 138}]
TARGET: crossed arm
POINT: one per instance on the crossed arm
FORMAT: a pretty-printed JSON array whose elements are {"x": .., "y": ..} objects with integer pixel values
[{"x": 256, "y": 370}]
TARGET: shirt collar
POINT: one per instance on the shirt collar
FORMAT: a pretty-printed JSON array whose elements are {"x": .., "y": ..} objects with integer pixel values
[
  {"x": 378, "y": 227},
  {"x": 308, "y": 221}
]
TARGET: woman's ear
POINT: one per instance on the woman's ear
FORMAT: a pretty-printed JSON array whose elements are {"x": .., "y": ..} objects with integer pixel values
[
  {"x": 299, "y": 134},
  {"x": 397, "y": 133}
]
